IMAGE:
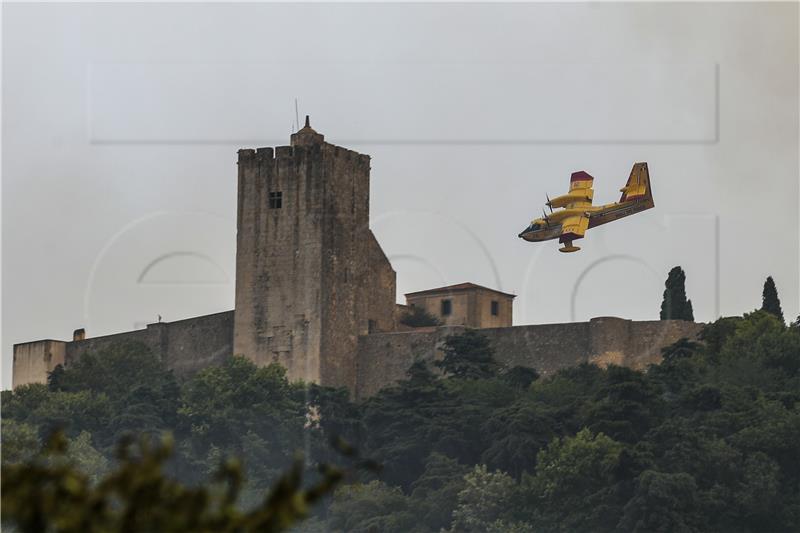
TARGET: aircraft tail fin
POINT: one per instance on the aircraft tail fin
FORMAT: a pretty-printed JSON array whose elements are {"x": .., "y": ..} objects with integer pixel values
[{"x": 638, "y": 185}]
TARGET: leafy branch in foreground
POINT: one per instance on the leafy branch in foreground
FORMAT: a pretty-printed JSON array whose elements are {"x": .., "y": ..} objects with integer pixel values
[{"x": 49, "y": 493}]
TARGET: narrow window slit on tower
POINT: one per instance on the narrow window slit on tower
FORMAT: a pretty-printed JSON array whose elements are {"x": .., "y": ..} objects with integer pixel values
[
  {"x": 275, "y": 200},
  {"x": 495, "y": 308}
]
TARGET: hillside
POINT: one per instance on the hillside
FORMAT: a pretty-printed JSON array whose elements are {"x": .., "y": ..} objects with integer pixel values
[{"x": 706, "y": 441}]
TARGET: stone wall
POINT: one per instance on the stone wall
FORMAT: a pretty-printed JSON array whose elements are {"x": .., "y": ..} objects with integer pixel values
[
  {"x": 383, "y": 358},
  {"x": 196, "y": 343},
  {"x": 382, "y": 289},
  {"x": 151, "y": 336},
  {"x": 278, "y": 258},
  {"x": 34, "y": 360},
  {"x": 345, "y": 279},
  {"x": 310, "y": 275},
  {"x": 185, "y": 345}
]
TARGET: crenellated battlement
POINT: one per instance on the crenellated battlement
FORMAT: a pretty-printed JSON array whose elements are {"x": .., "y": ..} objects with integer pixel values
[
  {"x": 265, "y": 153},
  {"x": 251, "y": 155},
  {"x": 246, "y": 154},
  {"x": 284, "y": 152}
]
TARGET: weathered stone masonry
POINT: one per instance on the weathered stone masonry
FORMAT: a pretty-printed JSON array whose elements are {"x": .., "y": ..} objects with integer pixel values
[
  {"x": 310, "y": 276},
  {"x": 383, "y": 358},
  {"x": 316, "y": 293}
]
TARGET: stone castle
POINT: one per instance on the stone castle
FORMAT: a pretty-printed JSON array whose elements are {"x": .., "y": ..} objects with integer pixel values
[{"x": 316, "y": 293}]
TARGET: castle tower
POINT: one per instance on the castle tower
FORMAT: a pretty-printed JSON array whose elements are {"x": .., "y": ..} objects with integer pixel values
[{"x": 310, "y": 276}]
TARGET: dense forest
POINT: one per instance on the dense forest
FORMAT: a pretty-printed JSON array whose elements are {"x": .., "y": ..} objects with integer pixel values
[{"x": 708, "y": 440}]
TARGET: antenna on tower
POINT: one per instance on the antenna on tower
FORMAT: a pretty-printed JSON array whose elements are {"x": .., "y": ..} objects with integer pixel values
[{"x": 296, "y": 115}]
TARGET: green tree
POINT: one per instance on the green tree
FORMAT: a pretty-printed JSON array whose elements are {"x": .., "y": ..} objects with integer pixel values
[
  {"x": 663, "y": 502},
  {"x": 769, "y": 299},
  {"x": 678, "y": 350},
  {"x": 86, "y": 458},
  {"x": 758, "y": 496},
  {"x": 418, "y": 317},
  {"x": 675, "y": 306},
  {"x": 332, "y": 416},
  {"x": 75, "y": 411},
  {"x": 48, "y": 493},
  {"x": 405, "y": 423},
  {"x": 369, "y": 508},
  {"x": 435, "y": 493},
  {"x": 520, "y": 377},
  {"x": 626, "y": 405},
  {"x": 469, "y": 356},
  {"x": 707, "y": 440},
  {"x": 141, "y": 391},
  {"x": 19, "y": 441},
  {"x": 518, "y": 431},
  {"x": 483, "y": 503},
  {"x": 715, "y": 334},
  {"x": 576, "y": 473},
  {"x": 239, "y": 409},
  {"x": 762, "y": 352},
  {"x": 115, "y": 371}
]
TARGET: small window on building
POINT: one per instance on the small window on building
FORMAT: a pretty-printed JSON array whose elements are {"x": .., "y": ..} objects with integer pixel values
[
  {"x": 275, "y": 200},
  {"x": 447, "y": 307},
  {"x": 495, "y": 308}
]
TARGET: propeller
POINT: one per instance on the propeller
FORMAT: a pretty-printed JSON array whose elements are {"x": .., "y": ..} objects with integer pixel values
[
  {"x": 546, "y": 218},
  {"x": 549, "y": 204}
]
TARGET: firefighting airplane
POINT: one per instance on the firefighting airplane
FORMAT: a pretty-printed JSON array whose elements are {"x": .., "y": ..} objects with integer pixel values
[{"x": 579, "y": 214}]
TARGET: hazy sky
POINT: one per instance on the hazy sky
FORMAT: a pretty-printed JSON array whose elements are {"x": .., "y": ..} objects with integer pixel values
[{"x": 121, "y": 125}]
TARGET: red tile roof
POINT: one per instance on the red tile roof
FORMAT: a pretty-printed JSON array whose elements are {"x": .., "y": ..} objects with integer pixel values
[{"x": 457, "y": 287}]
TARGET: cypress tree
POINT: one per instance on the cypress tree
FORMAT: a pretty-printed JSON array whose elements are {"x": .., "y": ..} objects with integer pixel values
[
  {"x": 769, "y": 299},
  {"x": 675, "y": 306}
]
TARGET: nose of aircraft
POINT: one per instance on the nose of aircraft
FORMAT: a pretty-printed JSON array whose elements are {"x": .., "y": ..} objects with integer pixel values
[{"x": 526, "y": 230}]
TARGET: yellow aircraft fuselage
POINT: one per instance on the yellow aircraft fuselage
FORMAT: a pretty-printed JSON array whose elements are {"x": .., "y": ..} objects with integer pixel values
[{"x": 576, "y": 214}]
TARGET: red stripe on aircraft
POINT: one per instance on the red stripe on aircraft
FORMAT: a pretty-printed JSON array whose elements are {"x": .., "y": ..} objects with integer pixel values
[
  {"x": 629, "y": 198},
  {"x": 580, "y": 176}
]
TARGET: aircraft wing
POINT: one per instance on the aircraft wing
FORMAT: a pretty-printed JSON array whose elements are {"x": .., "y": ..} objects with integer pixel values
[
  {"x": 573, "y": 227},
  {"x": 580, "y": 192}
]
